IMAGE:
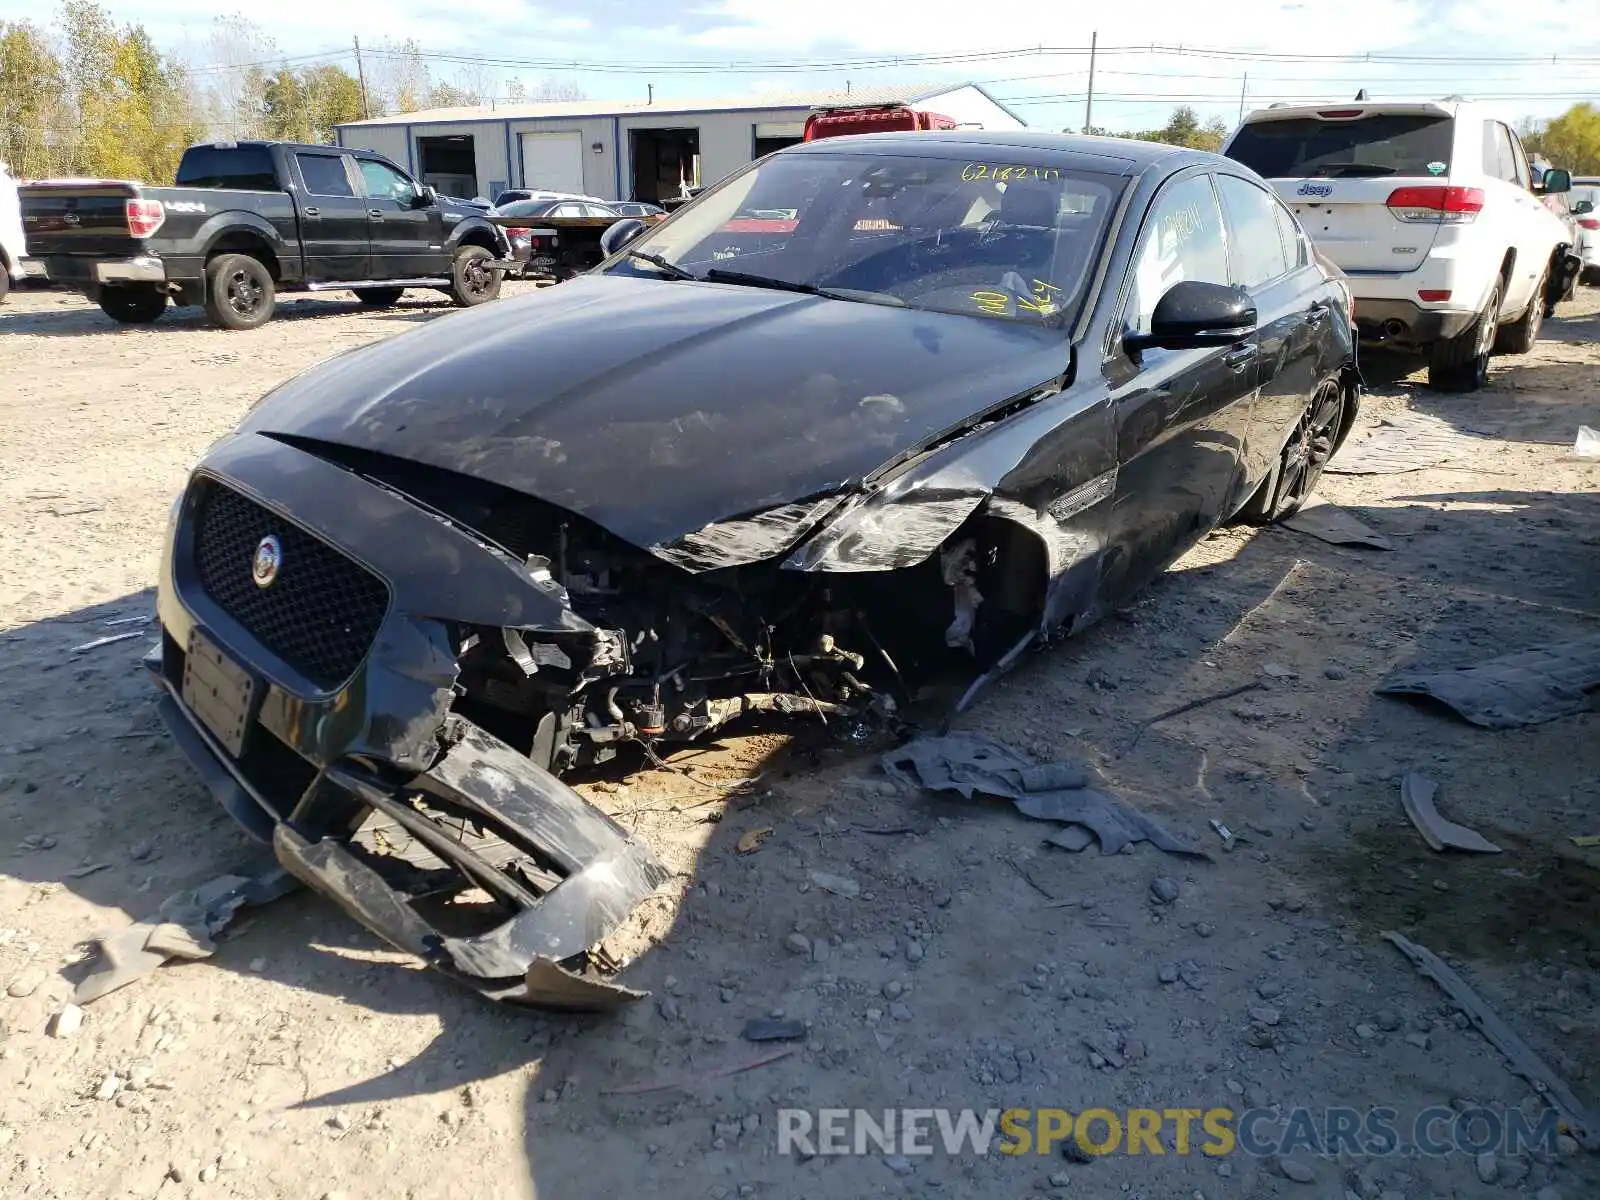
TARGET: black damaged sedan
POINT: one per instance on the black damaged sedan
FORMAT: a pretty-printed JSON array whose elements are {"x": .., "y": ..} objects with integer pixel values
[{"x": 870, "y": 408}]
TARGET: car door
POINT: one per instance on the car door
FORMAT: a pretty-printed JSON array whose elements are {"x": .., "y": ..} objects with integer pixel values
[
  {"x": 1180, "y": 415},
  {"x": 1521, "y": 217},
  {"x": 333, "y": 218},
  {"x": 1267, "y": 259},
  {"x": 407, "y": 241}
]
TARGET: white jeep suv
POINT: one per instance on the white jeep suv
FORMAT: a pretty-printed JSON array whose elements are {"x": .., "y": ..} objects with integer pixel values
[{"x": 1431, "y": 211}]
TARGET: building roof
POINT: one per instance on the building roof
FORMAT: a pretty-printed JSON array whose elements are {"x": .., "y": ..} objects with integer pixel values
[{"x": 754, "y": 102}]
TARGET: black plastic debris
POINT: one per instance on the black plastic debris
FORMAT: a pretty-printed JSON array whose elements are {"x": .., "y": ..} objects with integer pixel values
[
  {"x": 1529, "y": 687},
  {"x": 974, "y": 765},
  {"x": 774, "y": 1029},
  {"x": 181, "y": 928},
  {"x": 1336, "y": 526}
]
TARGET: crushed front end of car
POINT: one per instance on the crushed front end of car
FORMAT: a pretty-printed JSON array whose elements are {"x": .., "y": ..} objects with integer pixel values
[{"x": 382, "y": 669}]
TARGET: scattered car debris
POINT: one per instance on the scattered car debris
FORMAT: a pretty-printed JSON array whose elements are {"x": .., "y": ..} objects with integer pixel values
[
  {"x": 1528, "y": 687},
  {"x": 1586, "y": 841},
  {"x": 689, "y": 1081},
  {"x": 1405, "y": 442},
  {"x": 1224, "y": 833},
  {"x": 836, "y": 884},
  {"x": 1588, "y": 443},
  {"x": 1336, "y": 526},
  {"x": 105, "y": 641},
  {"x": 86, "y": 871},
  {"x": 1521, "y": 1058},
  {"x": 1416, "y": 795},
  {"x": 774, "y": 1029},
  {"x": 1190, "y": 706},
  {"x": 140, "y": 620},
  {"x": 1072, "y": 837},
  {"x": 1279, "y": 671},
  {"x": 971, "y": 764},
  {"x": 181, "y": 928}
]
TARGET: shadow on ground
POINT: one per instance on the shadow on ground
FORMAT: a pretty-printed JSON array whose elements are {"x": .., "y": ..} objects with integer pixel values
[{"x": 74, "y": 319}]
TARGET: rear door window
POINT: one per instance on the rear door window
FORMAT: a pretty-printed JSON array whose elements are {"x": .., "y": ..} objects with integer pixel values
[
  {"x": 325, "y": 174},
  {"x": 1255, "y": 247},
  {"x": 1380, "y": 145},
  {"x": 1497, "y": 160},
  {"x": 246, "y": 168},
  {"x": 1294, "y": 245}
]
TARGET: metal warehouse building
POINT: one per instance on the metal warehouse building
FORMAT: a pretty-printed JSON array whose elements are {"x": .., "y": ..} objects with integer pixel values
[{"x": 622, "y": 150}]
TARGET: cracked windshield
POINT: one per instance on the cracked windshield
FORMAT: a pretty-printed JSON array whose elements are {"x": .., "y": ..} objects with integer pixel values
[{"x": 1006, "y": 238}]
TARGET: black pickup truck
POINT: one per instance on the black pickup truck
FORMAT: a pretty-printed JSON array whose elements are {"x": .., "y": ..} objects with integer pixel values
[{"x": 247, "y": 220}]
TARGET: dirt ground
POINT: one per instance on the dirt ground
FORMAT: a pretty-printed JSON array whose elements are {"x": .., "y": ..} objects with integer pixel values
[{"x": 306, "y": 1060}]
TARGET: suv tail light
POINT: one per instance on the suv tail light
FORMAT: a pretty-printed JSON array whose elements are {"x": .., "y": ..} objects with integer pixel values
[
  {"x": 1441, "y": 205},
  {"x": 1589, "y": 222},
  {"x": 144, "y": 217}
]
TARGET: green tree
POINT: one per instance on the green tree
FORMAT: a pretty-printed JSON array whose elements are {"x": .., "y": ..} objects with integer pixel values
[
  {"x": 30, "y": 106},
  {"x": 304, "y": 106},
  {"x": 1571, "y": 141}
]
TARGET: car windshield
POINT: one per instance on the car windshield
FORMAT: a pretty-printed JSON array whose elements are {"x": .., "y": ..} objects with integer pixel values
[
  {"x": 1012, "y": 237},
  {"x": 526, "y": 208},
  {"x": 1380, "y": 145}
]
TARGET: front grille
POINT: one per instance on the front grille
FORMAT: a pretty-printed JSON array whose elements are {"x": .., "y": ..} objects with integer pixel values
[{"x": 321, "y": 612}]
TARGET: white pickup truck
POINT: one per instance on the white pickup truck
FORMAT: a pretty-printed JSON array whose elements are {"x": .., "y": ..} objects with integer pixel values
[
  {"x": 12, "y": 249},
  {"x": 1431, "y": 210}
]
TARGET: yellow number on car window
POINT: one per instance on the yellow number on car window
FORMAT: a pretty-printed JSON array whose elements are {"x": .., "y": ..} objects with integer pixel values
[{"x": 992, "y": 302}]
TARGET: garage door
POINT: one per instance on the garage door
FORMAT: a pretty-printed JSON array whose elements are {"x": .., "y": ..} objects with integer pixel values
[{"x": 553, "y": 161}]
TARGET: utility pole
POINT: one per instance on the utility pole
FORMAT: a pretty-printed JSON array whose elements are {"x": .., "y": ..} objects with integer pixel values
[
  {"x": 1243, "y": 87},
  {"x": 1088, "y": 102},
  {"x": 366, "y": 111}
]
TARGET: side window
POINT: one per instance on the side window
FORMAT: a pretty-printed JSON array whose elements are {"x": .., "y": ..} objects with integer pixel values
[
  {"x": 383, "y": 182},
  {"x": 1255, "y": 247},
  {"x": 1519, "y": 160},
  {"x": 1498, "y": 161},
  {"x": 1181, "y": 240},
  {"x": 567, "y": 210},
  {"x": 1294, "y": 244},
  {"x": 325, "y": 174}
]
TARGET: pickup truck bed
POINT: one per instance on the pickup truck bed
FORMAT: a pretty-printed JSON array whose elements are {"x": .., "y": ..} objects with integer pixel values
[{"x": 306, "y": 218}]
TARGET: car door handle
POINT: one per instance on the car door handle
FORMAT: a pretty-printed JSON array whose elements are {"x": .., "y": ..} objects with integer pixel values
[
  {"x": 312, "y": 212},
  {"x": 375, "y": 213},
  {"x": 1241, "y": 357}
]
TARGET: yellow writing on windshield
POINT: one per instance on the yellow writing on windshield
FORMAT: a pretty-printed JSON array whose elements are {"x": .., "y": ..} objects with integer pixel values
[
  {"x": 991, "y": 172},
  {"x": 1042, "y": 299}
]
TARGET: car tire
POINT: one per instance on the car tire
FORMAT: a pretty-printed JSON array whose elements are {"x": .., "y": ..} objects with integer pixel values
[
  {"x": 132, "y": 304},
  {"x": 1590, "y": 276},
  {"x": 1520, "y": 336},
  {"x": 1461, "y": 364},
  {"x": 471, "y": 282},
  {"x": 379, "y": 297},
  {"x": 240, "y": 293},
  {"x": 1303, "y": 458},
  {"x": 5, "y": 280}
]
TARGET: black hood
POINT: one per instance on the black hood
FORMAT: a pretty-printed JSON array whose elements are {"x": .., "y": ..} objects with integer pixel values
[{"x": 654, "y": 407}]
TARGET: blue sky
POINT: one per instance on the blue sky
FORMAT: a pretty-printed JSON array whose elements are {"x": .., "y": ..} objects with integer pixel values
[{"x": 1135, "y": 88}]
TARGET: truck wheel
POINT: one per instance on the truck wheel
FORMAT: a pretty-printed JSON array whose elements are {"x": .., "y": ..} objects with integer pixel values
[
  {"x": 471, "y": 280},
  {"x": 1519, "y": 336},
  {"x": 239, "y": 292},
  {"x": 133, "y": 303},
  {"x": 378, "y": 297},
  {"x": 1462, "y": 363}
]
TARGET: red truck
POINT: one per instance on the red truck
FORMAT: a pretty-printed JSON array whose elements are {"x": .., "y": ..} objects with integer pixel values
[{"x": 873, "y": 118}]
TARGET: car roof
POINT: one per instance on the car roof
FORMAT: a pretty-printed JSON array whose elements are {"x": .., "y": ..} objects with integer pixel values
[{"x": 1121, "y": 156}]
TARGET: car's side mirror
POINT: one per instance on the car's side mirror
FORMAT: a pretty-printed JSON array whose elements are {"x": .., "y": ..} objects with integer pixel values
[
  {"x": 425, "y": 197},
  {"x": 1556, "y": 181},
  {"x": 620, "y": 234},
  {"x": 1193, "y": 314},
  {"x": 1582, "y": 207}
]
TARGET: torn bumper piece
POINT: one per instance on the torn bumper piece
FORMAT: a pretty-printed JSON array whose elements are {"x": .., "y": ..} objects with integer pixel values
[{"x": 593, "y": 875}]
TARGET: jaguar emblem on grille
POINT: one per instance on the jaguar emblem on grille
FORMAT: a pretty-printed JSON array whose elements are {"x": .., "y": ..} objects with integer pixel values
[{"x": 267, "y": 561}]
